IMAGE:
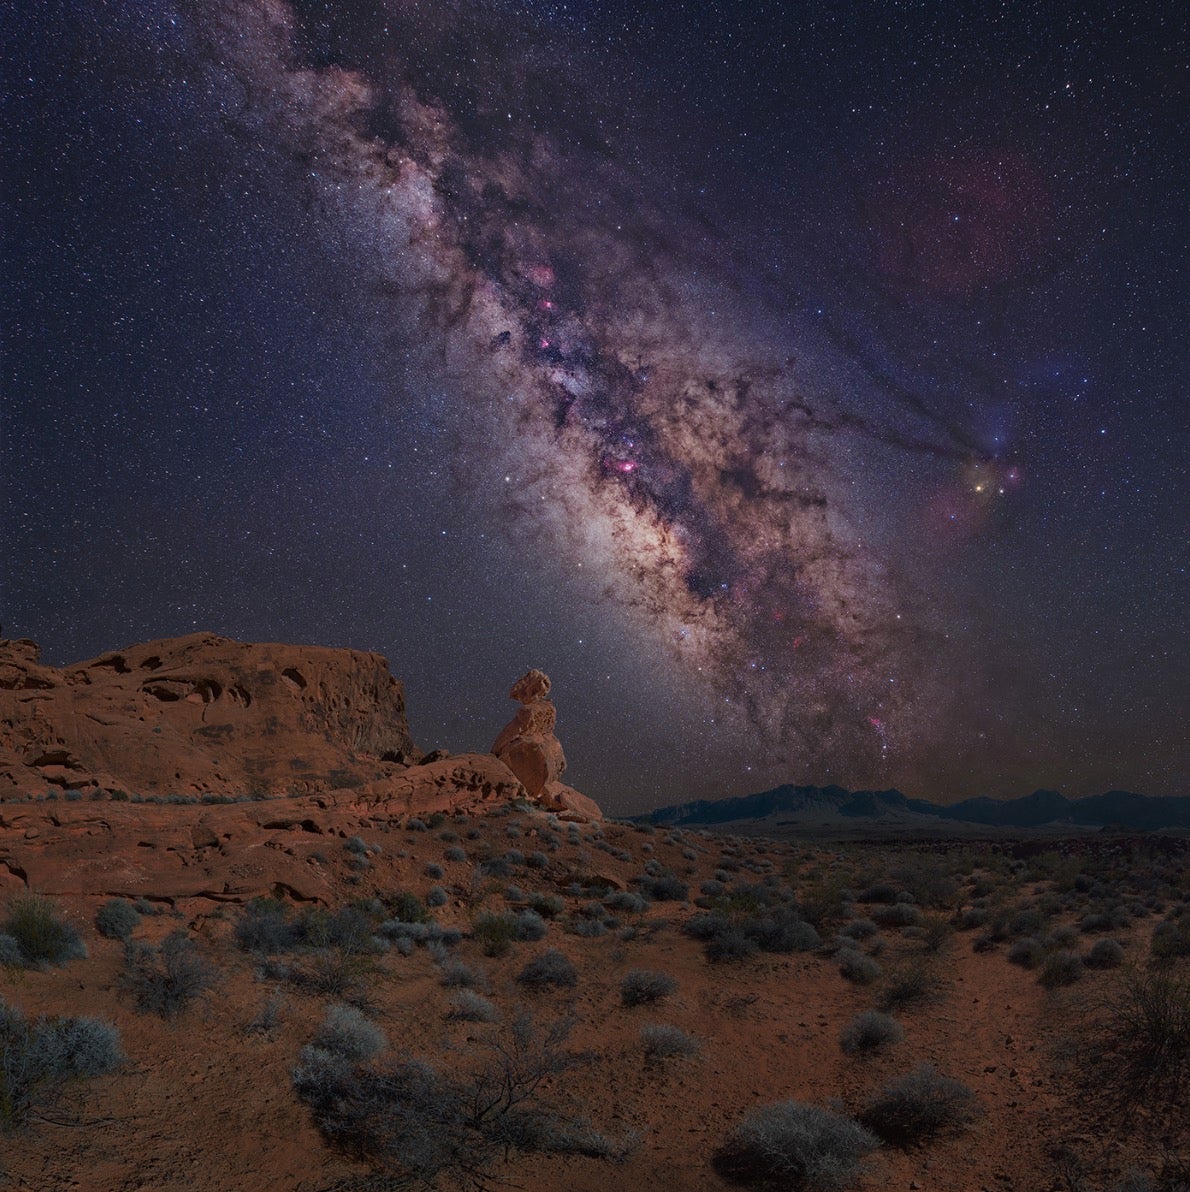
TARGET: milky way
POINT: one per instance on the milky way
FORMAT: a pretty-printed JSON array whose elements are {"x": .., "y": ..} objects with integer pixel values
[
  {"x": 632, "y": 399},
  {"x": 804, "y": 394}
]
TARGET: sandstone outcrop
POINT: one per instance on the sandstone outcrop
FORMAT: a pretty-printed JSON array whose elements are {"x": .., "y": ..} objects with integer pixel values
[
  {"x": 206, "y": 716},
  {"x": 200, "y": 714}
]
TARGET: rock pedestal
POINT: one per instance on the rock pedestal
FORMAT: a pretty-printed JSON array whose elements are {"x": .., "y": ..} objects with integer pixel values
[{"x": 528, "y": 747}]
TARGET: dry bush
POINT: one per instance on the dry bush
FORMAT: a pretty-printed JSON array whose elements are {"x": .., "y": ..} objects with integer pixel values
[{"x": 793, "y": 1145}]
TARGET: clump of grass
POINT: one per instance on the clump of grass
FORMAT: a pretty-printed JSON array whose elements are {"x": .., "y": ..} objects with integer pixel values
[
  {"x": 642, "y": 987},
  {"x": 42, "y": 936},
  {"x": 870, "y": 1031},
  {"x": 469, "y": 1006},
  {"x": 550, "y": 969},
  {"x": 662, "y": 1042}
]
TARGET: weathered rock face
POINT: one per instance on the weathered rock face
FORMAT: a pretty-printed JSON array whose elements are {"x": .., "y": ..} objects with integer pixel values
[{"x": 199, "y": 714}]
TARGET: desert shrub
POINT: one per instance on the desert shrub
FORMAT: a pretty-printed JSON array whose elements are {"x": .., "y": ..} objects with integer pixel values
[
  {"x": 665, "y": 887},
  {"x": 42, "y": 935},
  {"x": 882, "y": 892},
  {"x": 667, "y": 1042},
  {"x": 900, "y": 914},
  {"x": 587, "y": 928},
  {"x": 793, "y": 1145},
  {"x": 469, "y": 1006},
  {"x": 455, "y": 853},
  {"x": 348, "y": 929},
  {"x": 406, "y": 907},
  {"x": 858, "y": 968},
  {"x": 437, "y": 896},
  {"x": 869, "y": 1031},
  {"x": 347, "y": 1033},
  {"x": 908, "y": 984},
  {"x": 38, "y": 1058},
  {"x": 434, "y": 870},
  {"x": 455, "y": 974},
  {"x": 1027, "y": 922},
  {"x": 972, "y": 917},
  {"x": 10, "y": 952},
  {"x": 642, "y": 987},
  {"x": 530, "y": 926},
  {"x": 495, "y": 933},
  {"x": 1171, "y": 938},
  {"x": 1060, "y": 968},
  {"x": 1106, "y": 953},
  {"x": 418, "y": 1125},
  {"x": 859, "y": 929},
  {"x": 781, "y": 930},
  {"x": 918, "y": 1106},
  {"x": 164, "y": 980},
  {"x": 551, "y": 968},
  {"x": 265, "y": 926},
  {"x": 712, "y": 888},
  {"x": 116, "y": 919},
  {"x": 1027, "y": 953},
  {"x": 548, "y": 906},
  {"x": 626, "y": 901},
  {"x": 1062, "y": 937},
  {"x": 356, "y": 845},
  {"x": 1148, "y": 1035}
]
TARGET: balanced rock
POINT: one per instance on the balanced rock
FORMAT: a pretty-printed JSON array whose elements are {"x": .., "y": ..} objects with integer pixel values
[{"x": 527, "y": 745}]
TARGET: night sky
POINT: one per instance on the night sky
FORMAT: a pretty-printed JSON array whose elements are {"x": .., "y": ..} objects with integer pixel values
[{"x": 802, "y": 386}]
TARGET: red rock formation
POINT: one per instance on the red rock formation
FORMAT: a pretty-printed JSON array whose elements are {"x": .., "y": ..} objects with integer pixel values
[
  {"x": 200, "y": 714},
  {"x": 206, "y": 715},
  {"x": 528, "y": 747}
]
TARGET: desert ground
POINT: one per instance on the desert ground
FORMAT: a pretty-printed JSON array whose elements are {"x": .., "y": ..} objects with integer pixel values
[{"x": 320, "y": 951}]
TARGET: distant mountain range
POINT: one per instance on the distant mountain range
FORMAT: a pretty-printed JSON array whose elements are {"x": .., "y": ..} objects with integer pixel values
[{"x": 824, "y": 806}]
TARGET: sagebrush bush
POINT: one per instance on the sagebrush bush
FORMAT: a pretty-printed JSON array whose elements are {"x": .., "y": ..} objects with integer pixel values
[
  {"x": 42, "y": 935},
  {"x": 495, "y": 933},
  {"x": 469, "y": 1006},
  {"x": 551, "y": 968},
  {"x": 165, "y": 980},
  {"x": 1060, "y": 968},
  {"x": 1106, "y": 953},
  {"x": 10, "y": 952},
  {"x": 456, "y": 974},
  {"x": 38, "y": 1058},
  {"x": 858, "y": 929},
  {"x": 347, "y": 1033},
  {"x": 858, "y": 968},
  {"x": 667, "y": 1042},
  {"x": 642, "y": 987},
  {"x": 919, "y": 1105},
  {"x": 793, "y": 1145},
  {"x": 1026, "y": 952},
  {"x": 437, "y": 896},
  {"x": 117, "y": 919},
  {"x": 869, "y": 1031}
]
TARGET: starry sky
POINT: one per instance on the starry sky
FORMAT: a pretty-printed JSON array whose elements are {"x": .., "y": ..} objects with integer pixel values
[{"x": 802, "y": 386}]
